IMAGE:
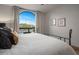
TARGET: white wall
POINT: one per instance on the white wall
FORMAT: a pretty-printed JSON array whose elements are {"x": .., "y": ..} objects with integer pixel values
[
  {"x": 71, "y": 13},
  {"x": 6, "y": 15}
]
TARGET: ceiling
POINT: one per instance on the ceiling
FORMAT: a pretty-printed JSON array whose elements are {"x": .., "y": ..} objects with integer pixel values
[{"x": 36, "y": 7}]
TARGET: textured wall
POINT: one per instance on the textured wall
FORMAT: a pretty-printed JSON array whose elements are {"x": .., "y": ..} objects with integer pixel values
[
  {"x": 71, "y": 13},
  {"x": 6, "y": 15}
]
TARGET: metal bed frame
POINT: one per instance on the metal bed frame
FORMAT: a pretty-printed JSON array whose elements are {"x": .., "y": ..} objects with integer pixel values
[{"x": 69, "y": 38}]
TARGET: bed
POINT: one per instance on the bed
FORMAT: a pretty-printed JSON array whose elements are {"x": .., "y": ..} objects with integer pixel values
[{"x": 38, "y": 44}]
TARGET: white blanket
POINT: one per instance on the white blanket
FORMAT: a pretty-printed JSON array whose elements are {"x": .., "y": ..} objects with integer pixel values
[{"x": 38, "y": 44}]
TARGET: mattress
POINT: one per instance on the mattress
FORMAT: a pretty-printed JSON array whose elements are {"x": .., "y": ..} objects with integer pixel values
[{"x": 38, "y": 44}]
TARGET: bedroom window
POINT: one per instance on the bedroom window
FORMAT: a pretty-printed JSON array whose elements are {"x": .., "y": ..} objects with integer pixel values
[{"x": 27, "y": 22}]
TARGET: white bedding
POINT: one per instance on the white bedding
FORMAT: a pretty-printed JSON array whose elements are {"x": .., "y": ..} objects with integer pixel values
[{"x": 38, "y": 44}]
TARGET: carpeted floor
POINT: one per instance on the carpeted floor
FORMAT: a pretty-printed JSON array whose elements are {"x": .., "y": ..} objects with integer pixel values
[
  {"x": 76, "y": 49},
  {"x": 77, "y": 52}
]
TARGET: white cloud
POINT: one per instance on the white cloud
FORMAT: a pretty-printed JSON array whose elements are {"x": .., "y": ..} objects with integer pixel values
[{"x": 30, "y": 22}]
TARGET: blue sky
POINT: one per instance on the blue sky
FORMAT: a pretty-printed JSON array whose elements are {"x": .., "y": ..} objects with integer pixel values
[{"x": 27, "y": 17}]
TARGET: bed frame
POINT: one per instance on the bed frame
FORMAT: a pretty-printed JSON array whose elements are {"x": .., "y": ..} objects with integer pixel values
[{"x": 64, "y": 38}]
